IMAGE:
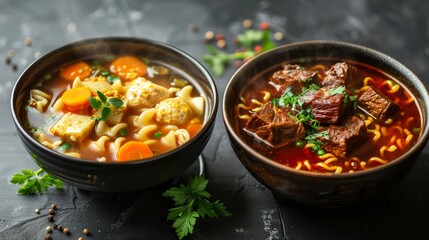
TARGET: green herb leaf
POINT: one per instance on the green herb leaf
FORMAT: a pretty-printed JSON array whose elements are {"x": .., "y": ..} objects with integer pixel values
[
  {"x": 116, "y": 102},
  {"x": 192, "y": 201},
  {"x": 33, "y": 182},
  {"x": 95, "y": 103},
  {"x": 112, "y": 79},
  {"x": 64, "y": 147},
  {"x": 102, "y": 97},
  {"x": 105, "y": 112},
  {"x": 123, "y": 132}
]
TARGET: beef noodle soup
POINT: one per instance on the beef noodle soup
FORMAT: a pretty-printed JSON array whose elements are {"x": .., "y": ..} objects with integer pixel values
[
  {"x": 114, "y": 108},
  {"x": 331, "y": 117}
]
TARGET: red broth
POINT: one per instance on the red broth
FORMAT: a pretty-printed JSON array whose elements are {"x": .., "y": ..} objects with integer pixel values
[{"x": 388, "y": 139}]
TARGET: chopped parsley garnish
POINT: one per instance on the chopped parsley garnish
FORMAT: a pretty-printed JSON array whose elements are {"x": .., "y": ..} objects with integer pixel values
[
  {"x": 104, "y": 105},
  {"x": 314, "y": 138},
  {"x": 123, "y": 132}
]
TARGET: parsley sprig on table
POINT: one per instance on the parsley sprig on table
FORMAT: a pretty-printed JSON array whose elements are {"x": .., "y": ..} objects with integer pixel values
[
  {"x": 192, "y": 202},
  {"x": 35, "y": 181},
  {"x": 218, "y": 60}
]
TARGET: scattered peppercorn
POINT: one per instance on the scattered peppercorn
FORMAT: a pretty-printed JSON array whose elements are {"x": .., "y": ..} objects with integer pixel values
[
  {"x": 193, "y": 28},
  {"x": 278, "y": 36},
  {"x": 85, "y": 231},
  {"x": 81, "y": 238},
  {"x": 37, "y": 55},
  {"x": 10, "y": 53},
  {"x": 48, "y": 229},
  {"x": 28, "y": 41},
  {"x": 264, "y": 26},
  {"x": 51, "y": 211},
  {"x": 237, "y": 63},
  {"x": 247, "y": 23},
  {"x": 219, "y": 36},
  {"x": 54, "y": 206},
  {"x": 66, "y": 231},
  {"x": 221, "y": 43},
  {"x": 8, "y": 60},
  {"x": 50, "y": 217},
  {"x": 59, "y": 228},
  {"x": 257, "y": 48},
  {"x": 48, "y": 237},
  {"x": 209, "y": 36},
  {"x": 14, "y": 66},
  {"x": 37, "y": 211},
  {"x": 55, "y": 226}
]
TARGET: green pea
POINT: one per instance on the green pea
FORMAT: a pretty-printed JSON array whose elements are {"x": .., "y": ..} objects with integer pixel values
[
  {"x": 65, "y": 147},
  {"x": 320, "y": 152},
  {"x": 299, "y": 144},
  {"x": 157, "y": 135}
]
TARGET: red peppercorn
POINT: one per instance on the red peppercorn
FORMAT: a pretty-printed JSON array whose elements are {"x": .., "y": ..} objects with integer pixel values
[
  {"x": 257, "y": 48},
  {"x": 237, "y": 63},
  {"x": 264, "y": 26},
  {"x": 219, "y": 36}
]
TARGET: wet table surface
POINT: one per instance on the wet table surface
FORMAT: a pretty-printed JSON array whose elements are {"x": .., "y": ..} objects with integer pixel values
[{"x": 397, "y": 28}]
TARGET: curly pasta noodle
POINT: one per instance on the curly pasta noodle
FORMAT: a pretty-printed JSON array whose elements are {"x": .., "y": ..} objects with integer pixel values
[
  {"x": 409, "y": 136},
  {"x": 145, "y": 118},
  {"x": 393, "y": 88},
  {"x": 307, "y": 165},
  {"x": 168, "y": 128},
  {"x": 53, "y": 145},
  {"x": 103, "y": 129},
  {"x": 39, "y": 99},
  {"x": 169, "y": 139},
  {"x": 58, "y": 105},
  {"x": 377, "y": 159},
  {"x": 114, "y": 146},
  {"x": 408, "y": 121},
  {"x": 99, "y": 145},
  {"x": 392, "y": 148},
  {"x": 335, "y": 169},
  {"x": 298, "y": 166},
  {"x": 182, "y": 136},
  {"x": 145, "y": 133}
]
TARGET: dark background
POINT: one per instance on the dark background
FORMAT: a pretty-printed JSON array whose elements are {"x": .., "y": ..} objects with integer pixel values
[{"x": 397, "y": 28}]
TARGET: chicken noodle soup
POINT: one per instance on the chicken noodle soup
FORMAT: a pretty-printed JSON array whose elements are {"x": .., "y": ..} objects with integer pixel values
[
  {"x": 329, "y": 117},
  {"x": 114, "y": 109}
]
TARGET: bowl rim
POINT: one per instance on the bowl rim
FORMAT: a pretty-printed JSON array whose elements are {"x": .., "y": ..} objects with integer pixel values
[
  {"x": 420, "y": 86},
  {"x": 206, "y": 126}
]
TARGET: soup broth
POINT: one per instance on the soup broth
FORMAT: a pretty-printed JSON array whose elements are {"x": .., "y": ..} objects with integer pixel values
[
  {"x": 326, "y": 135},
  {"x": 115, "y": 108}
]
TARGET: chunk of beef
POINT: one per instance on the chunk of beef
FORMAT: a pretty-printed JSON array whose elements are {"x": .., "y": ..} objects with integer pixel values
[
  {"x": 274, "y": 127},
  {"x": 328, "y": 110},
  {"x": 340, "y": 74},
  {"x": 376, "y": 103},
  {"x": 291, "y": 76},
  {"x": 346, "y": 137}
]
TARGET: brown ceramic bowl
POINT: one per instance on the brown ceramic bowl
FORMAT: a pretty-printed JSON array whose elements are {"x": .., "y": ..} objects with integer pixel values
[
  {"x": 115, "y": 176},
  {"x": 323, "y": 189}
]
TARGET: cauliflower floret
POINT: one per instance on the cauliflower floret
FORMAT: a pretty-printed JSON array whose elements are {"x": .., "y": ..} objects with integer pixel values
[
  {"x": 173, "y": 111},
  {"x": 144, "y": 93},
  {"x": 73, "y": 127}
]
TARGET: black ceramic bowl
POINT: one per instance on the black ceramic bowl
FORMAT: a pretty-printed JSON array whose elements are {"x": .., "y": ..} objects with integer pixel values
[
  {"x": 322, "y": 189},
  {"x": 125, "y": 176}
]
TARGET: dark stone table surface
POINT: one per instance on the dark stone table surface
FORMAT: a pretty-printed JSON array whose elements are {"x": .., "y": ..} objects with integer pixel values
[{"x": 397, "y": 28}]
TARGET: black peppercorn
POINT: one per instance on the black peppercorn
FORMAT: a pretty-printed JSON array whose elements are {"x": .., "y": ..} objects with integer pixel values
[{"x": 50, "y": 217}]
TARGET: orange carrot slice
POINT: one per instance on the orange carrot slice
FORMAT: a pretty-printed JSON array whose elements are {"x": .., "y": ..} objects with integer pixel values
[
  {"x": 122, "y": 66},
  {"x": 78, "y": 69},
  {"x": 76, "y": 98},
  {"x": 133, "y": 150},
  {"x": 194, "y": 128}
]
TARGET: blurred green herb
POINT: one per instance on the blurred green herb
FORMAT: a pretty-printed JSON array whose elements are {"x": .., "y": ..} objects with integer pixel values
[
  {"x": 192, "y": 201},
  {"x": 254, "y": 42},
  {"x": 35, "y": 181},
  {"x": 104, "y": 104}
]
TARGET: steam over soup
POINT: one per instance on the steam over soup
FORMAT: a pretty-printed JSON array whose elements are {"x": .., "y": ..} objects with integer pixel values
[
  {"x": 330, "y": 117},
  {"x": 114, "y": 109}
]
